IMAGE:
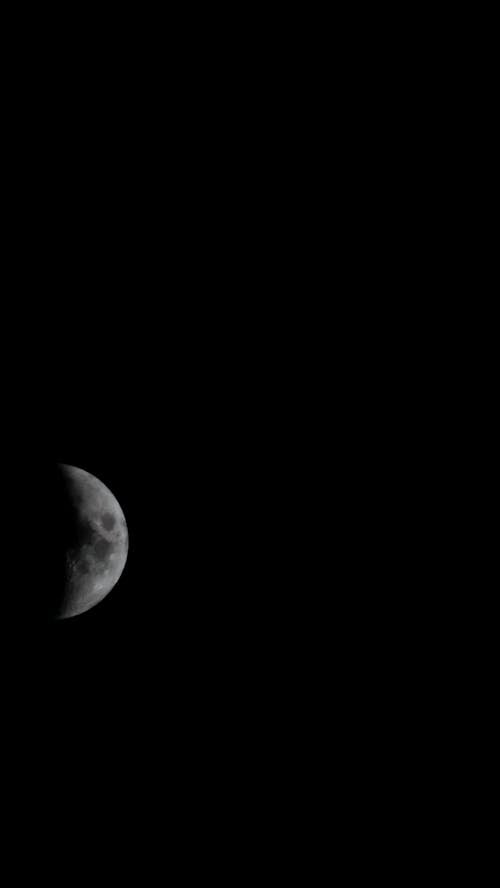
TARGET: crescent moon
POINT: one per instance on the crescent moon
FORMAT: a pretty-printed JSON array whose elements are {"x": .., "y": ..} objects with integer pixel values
[{"x": 98, "y": 543}]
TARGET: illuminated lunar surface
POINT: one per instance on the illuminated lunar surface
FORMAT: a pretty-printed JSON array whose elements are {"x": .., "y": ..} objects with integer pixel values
[{"x": 98, "y": 546}]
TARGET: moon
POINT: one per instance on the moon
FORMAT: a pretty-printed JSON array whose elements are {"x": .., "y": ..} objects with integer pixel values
[{"x": 97, "y": 544}]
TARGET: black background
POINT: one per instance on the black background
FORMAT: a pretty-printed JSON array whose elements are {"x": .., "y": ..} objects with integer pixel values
[
  {"x": 149, "y": 268},
  {"x": 152, "y": 385},
  {"x": 143, "y": 323},
  {"x": 157, "y": 704}
]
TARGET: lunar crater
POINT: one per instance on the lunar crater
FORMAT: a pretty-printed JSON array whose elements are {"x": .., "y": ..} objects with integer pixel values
[{"x": 108, "y": 521}]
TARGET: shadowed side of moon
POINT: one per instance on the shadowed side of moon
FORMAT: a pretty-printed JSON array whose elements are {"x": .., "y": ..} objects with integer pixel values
[{"x": 63, "y": 538}]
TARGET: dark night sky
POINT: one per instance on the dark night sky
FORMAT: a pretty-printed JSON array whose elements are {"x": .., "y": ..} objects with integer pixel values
[
  {"x": 153, "y": 400},
  {"x": 135, "y": 343},
  {"x": 143, "y": 301}
]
